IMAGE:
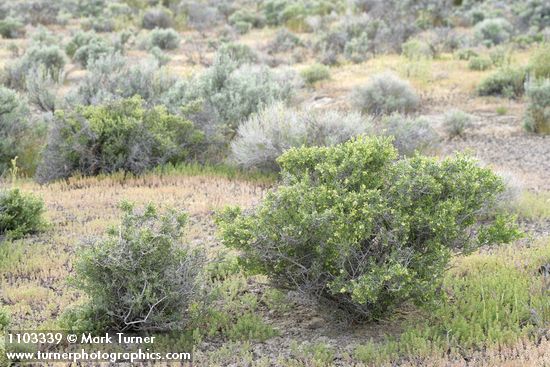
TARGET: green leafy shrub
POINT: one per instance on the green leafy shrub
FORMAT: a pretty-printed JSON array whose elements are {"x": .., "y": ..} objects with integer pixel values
[
  {"x": 493, "y": 31},
  {"x": 385, "y": 93},
  {"x": 160, "y": 277},
  {"x": 4, "y": 319},
  {"x": 352, "y": 225},
  {"x": 11, "y": 28},
  {"x": 118, "y": 136},
  {"x": 506, "y": 82},
  {"x": 539, "y": 65},
  {"x": 264, "y": 136},
  {"x": 480, "y": 63},
  {"x": 315, "y": 73},
  {"x": 165, "y": 39},
  {"x": 537, "y": 114},
  {"x": 20, "y": 214},
  {"x": 456, "y": 122}
]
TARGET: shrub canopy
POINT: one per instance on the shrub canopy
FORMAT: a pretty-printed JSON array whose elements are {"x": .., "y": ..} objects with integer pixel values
[
  {"x": 117, "y": 136},
  {"x": 353, "y": 225}
]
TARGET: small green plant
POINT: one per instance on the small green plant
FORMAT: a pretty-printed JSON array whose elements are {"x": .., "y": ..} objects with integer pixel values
[
  {"x": 20, "y": 213},
  {"x": 537, "y": 114},
  {"x": 250, "y": 327},
  {"x": 315, "y": 73},
  {"x": 539, "y": 65},
  {"x": 501, "y": 110},
  {"x": 505, "y": 82},
  {"x": 385, "y": 93},
  {"x": 494, "y": 31},
  {"x": 11, "y": 28},
  {"x": 356, "y": 227},
  {"x": 144, "y": 253},
  {"x": 456, "y": 122},
  {"x": 276, "y": 300},
  {"x": 480, "y": 63},
  {"x": 165, "y": 39}
]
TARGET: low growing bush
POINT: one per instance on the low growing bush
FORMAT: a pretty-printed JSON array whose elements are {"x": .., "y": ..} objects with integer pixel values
[
  {"x": 352, "y": 225},
  {"x": 493, "y": 31},
  {"x": 505, "y": 82},
  {"x": 11, "y": 28},
  {"x": 539, "y": 65},
  {"x": 113, "y": 77},
  {"x": 158, "y": 17},
  {"x": 263, "y": 137},
  {"x": 165, "y": 39},
  {"x": 456, "y": 122},
  {"x": 385, "y": 93},
  {"x": 20, "y": 214},
  {"x": 18, "y": 132},
  {"x": 315, "y": 73},
  {"x": 410, "y": 134},
  {"x": 86, "y": 47},
  {"x": 118, "y": 136},
  {"x": 50, "y": 58},
  {"x": 537, "y": 114},
  {"x": 480, "y": 63},
  {"x": 139, "y": 276}
]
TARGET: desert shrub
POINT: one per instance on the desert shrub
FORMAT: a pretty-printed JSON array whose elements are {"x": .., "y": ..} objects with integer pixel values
[
  {"x": 165, "y": 39},
  {"x": 50, "y": 58},
  {"x": 505, "y": 82},
  {"x": 410, "y": 134},
  {"x": 264, "y": 136},
  {"x": 416, "y": 49},
  {"x": 11, "y": 28},
  {"x": 294, "y": 13},
  {"x": 493, "y": 31},
  {"x": 20, "y": 213},
  {"x": 480, "y": 63},
  {"x": 284, "y": 41},
  {"x": 112, "y": 77},
  {"x": 455, "y": 122},
  {"x": 158, "y": 17},
  {"x": 244, "y": 20},
  {"x": 315, "y": 73},
  {"x": 41, "y": 89},
  {"x": 466, "y": 54},
  {"x": 100, "y": 24},
  {"x": 18, "y": 133},
  {"x": 385, "y": 93},
  {"x": 358, "y": 49},
  {"x": 537, "y": 114},
  {"x": 231, "y": 92},
  {"x": 145, "y": 254},
  {"x": 539, "y": 64},
  {"x": 237, "y": 52},
  {"x": 352, "y": 225},
  {"x": 117, "y": 136},
  {"x": 92, "y": 51},
  {"x": 86, "y": 47},
  {"x": 38, "y": 11}
]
